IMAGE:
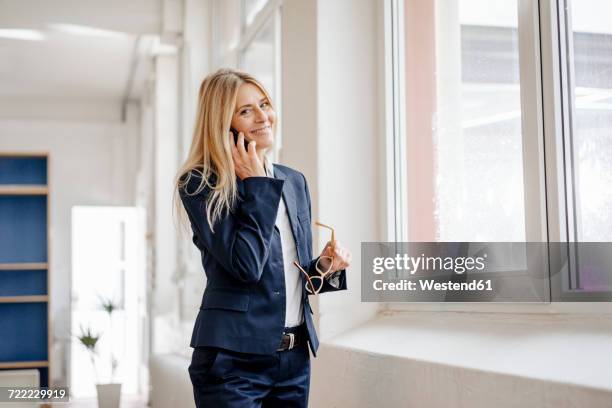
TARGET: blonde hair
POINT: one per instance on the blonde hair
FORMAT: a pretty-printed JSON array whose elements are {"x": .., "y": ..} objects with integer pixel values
[{"x": 210, "y": 152}]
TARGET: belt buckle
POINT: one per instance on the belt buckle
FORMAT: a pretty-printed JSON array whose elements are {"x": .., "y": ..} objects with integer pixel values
[{"x": 291, "y": 340}]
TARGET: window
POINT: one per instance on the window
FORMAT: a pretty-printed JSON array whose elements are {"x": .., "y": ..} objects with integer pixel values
[
  {"x": 463, "y": 121},
  {"x": 226, "y": 31},
  {"x": 590, "y": 78},
  {"x": 251, "y": 9},
  {"x": 259, "y": 56},
  {"x": 247, "y": 36},
  {"x": 472, "y": 88},
  {"x": 587, "y": 76}
]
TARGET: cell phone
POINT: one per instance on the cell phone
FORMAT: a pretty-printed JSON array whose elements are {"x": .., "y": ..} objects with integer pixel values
[{"x": 235, "y": 133}]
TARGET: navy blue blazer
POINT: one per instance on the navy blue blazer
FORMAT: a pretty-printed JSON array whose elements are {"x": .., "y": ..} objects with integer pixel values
[{"x": 243, "y": 306}]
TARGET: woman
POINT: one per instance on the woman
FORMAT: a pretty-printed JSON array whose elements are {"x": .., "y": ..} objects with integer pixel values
[{"x": 252, "y": 223}]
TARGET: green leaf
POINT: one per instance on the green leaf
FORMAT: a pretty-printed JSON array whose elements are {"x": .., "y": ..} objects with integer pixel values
[
  {"x": 88, "y": 339},
  {"x": 108, "y": 305}
]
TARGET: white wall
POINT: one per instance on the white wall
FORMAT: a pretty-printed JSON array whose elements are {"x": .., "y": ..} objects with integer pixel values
[
  {"x": 330, "y": 133},
  {"x": 427, "y": 359},
  {"x": 164, "y": 304},
  {"x": 91, "y": 163},
  {"x": 299, "y": 98},
  {"x": 28, "y": 109},
  {"x": 195, "y": 62},
  {"x": 349, "y": 139}
]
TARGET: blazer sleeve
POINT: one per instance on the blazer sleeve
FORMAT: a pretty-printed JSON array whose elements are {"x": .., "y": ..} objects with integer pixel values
[
  {"x": 241, "y": 240},
  {"x": 337, "y": 280}
]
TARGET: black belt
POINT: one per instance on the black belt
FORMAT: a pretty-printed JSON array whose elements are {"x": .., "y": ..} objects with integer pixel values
[{"x": 292, "y": 337}]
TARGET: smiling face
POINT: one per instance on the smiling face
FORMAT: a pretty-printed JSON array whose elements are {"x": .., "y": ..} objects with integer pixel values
[{"x": 254, "y": 116}]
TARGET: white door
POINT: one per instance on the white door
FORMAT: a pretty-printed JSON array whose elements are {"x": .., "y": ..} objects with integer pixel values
[{"x": 108, "y": 263}]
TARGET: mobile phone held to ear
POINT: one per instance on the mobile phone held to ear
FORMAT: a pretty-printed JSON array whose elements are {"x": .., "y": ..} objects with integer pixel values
[{"x": 235, "y": 133}]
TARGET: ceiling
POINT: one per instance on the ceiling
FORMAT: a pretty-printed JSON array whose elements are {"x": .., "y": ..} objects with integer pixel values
[{"x": 69, "y": 63}]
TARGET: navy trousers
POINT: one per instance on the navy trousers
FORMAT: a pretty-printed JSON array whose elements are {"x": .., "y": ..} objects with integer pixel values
[{"x": 225, "y": 378}]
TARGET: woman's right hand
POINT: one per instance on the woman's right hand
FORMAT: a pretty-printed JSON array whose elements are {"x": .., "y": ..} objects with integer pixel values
[{"x": 246, "y": 163}]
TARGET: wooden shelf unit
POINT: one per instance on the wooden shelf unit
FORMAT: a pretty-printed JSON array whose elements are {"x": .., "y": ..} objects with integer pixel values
[
  {"x": 21, "y": 266},
  {"x": 23, "y": 364},
  {"x": 25, "y": 263},
  {"x": 24, "y": 299},
  {"x": 23, "y": 190}
]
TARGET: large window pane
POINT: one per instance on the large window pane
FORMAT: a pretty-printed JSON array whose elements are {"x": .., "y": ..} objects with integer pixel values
[
  {"x": 259, "y": 58},
  {"x": 227, "y": 25},
  {"x": 251, "y": 8},
  {"x": 589, "y": 156},
  {"x": 591, "y": 138},
  {"x": 463, "y": 121}
]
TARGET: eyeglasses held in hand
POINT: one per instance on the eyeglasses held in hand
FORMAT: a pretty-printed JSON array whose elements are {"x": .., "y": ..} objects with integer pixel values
[{"x": 314, "y": 284}]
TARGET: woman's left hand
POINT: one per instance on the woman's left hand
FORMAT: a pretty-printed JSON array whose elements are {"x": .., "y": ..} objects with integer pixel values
[{"x": 341, "y": 255}]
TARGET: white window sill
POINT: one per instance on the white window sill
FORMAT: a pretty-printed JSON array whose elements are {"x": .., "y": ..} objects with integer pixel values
[
  {"x": 570, "y": 349},
  {"x": 594, "y": 308}
]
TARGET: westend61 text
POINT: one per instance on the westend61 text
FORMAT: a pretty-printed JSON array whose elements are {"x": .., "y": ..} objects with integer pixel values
[{"x": 430, "y": 284}]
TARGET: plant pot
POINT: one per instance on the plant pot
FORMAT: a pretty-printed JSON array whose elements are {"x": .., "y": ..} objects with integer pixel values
[{"x": 109, "y": 395}]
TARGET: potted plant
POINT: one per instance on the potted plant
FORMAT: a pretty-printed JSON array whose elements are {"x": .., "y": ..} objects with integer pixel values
[{"x": 109, "y": 394}]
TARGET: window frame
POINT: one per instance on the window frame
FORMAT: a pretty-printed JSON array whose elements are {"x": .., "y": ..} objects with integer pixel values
[
  {"x": 546, "y": 112},
  {"x": 234, "y": 56},
  {"x": 560, "y": 97}
]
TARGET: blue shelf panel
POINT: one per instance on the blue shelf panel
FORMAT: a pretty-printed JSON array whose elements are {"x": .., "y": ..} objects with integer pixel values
[
  {"x": 24, "y": 331},
  {"x": 23, "y": 170},
  {"x": 23, "y": 282},
  {"x": 23, "y": 228}
]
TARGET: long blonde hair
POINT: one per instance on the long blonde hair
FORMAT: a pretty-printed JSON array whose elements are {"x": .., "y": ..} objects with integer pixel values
[{"x": 210, "y": 152}]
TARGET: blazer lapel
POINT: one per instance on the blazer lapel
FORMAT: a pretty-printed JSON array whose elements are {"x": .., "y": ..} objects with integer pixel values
[{"x": 291, "y": 205}]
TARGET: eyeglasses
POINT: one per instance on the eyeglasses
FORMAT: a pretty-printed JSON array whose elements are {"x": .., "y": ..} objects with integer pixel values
[{"x": 314, "y": 284}]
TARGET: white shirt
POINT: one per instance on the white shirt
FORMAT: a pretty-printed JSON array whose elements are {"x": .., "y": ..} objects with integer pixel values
[{"x": 293, "y": 281}]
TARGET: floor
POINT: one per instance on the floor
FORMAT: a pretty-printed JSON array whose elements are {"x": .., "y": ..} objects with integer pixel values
[{"x": 126, "y": 402}]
